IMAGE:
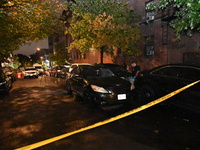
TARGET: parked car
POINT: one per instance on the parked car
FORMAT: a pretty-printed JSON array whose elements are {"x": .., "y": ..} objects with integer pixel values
[
  {"x": 5, "y": 82},
  {"x": 56, "y": 71},
  {"x": 9, "y": 72},
  {"x": 164, "y": 79},
  {"x": 64, "y": 71},
  {"x": 30, "y": 72},
  {"x": 98, "y": 86}
]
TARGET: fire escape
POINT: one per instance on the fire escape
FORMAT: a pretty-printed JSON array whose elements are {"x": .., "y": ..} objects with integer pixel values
[{"x": 167, "y": 15}]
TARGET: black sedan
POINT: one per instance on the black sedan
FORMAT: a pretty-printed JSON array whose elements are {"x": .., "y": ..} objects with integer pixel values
[
  {"x": 98, "y": 86},
  {"x": 164, "y": 79},
  {"x": 5, "y": 83}
]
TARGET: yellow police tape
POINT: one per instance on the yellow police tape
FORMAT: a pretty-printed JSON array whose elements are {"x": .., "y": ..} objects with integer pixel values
[{"x": 159, "y": 100}]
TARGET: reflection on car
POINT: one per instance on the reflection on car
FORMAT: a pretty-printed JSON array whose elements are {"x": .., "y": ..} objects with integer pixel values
[
  {"x": 98, "y": 86},
  {"x": 73, "y": 66},
  {"x": 5, "y": 83},
  {"x": 56, "y": 71},
  {"x": 64, "y": 72},
  {"x": 164, "y": 79},
  {"x": 9, "y": 72},
  {"x": 119, "y": 71}
]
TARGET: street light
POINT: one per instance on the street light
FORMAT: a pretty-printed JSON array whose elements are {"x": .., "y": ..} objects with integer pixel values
[
  {"x": 46, "y": 61},
  {"x": 45, "y": 54}
]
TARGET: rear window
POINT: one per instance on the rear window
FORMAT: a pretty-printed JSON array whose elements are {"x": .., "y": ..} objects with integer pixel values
[{"x": 116, "y": 68}]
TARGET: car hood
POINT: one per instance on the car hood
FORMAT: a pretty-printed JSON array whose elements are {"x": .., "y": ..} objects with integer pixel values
[{"x": 108, "y": 82}]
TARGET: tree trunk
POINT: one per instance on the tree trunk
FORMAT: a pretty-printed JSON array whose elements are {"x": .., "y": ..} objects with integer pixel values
[
  {"x": 101, "y": 56},
  {"x": 101, "y": 53}
]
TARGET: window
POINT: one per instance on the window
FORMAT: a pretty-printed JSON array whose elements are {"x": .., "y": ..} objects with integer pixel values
[
  {"x": 192, "y": 74},
  {"x": 170, "y": 72},
  {"x": 149, "y": 45},
  {"x": 150, "y": 14}
]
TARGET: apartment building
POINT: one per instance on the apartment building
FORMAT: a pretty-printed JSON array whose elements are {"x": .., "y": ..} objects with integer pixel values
[
  {"x": 159, "y": 45},
  {"x": 159, "y": 41}
]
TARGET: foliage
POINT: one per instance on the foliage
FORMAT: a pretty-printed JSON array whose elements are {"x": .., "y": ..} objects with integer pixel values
[
  {"x": 61, "y": 55},
  {"x": 16, "y": 62},
  {"x": 103, "y": 23},
  {"x": 187, "y": 15},
  {"x": 23, "y": 60},
  {"x": 22, "y": 21}
]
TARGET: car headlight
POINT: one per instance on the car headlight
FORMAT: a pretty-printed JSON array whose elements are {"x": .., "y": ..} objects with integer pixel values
[{"x": 99, "y": 89}]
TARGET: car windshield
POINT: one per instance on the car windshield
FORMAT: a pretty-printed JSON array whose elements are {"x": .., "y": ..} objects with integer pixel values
[
  {"x": 93, "y": 73},
  {"x": 26, "y": 69},
  {"x": 38, "y": 67}
]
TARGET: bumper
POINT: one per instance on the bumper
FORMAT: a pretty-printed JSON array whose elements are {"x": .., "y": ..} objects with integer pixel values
[
  {"x": 110, "y": 99},
  {"x": 30, "y": 75}
]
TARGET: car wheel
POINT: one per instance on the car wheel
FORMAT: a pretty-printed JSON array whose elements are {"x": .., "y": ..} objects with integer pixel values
[
  {"x": 68, "y": 88},
  {"x": 147, "y": 93}
]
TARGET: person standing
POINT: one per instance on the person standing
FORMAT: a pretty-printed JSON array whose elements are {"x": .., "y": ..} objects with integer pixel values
[{"x": 135, "y": 69}]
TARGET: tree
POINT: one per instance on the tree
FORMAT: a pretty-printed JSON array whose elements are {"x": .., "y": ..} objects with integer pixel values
[
  {"x": 61, "y": 55},
  {"x": 24, "y": 60},
  {"x": 22, "y": 21},
  {"x": 103, "y": 25},
  {"x": 187, "y": 15}
]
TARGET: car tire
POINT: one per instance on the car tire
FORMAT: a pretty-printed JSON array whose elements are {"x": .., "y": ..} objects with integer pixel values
[
  {"x": 147, "y": 93},
  {"x": 68, "y": 88}
]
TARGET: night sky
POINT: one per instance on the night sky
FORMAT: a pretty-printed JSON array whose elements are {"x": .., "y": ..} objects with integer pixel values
[{"x": 30, "y": 49}]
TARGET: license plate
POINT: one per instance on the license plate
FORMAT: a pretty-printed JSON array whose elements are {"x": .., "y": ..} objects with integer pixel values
[{"x": 121, "y": 96}]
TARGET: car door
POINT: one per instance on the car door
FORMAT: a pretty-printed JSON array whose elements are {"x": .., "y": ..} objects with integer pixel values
[
  {"x": 77, "y": 81},
  {"x": 190, "y": 75},
  {"x": 162, "y": 80}
]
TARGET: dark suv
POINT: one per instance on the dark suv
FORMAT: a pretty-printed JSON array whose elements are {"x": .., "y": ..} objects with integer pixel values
[{"x": 164, "y": 79}]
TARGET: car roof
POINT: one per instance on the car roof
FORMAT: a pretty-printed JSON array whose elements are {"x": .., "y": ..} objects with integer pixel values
[
  {"x": 182, "y": 65},
  {"x": 94, "y": 67},
  {"x": 106, "y": 64},
  {"x": 188, "y": 65}
]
